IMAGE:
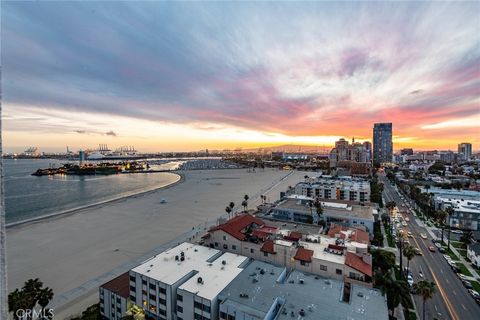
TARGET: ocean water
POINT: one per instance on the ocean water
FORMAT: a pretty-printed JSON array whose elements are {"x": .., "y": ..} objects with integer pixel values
[{"x": 28, "y": 196}]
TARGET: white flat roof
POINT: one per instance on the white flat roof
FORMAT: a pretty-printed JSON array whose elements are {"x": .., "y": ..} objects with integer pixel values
[
  {"x": 164, "y": 268},
  {"x": 215, "y": 276},
  {"x": 318, "y": 250}
]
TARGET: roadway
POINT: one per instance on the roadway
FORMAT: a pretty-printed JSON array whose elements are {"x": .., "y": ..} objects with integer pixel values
[{"x": 451, "y": 299}]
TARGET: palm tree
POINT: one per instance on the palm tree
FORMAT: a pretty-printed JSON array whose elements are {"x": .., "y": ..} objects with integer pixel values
[
  {"x": 409, "y": 253},
  {"x": 44, "y": 298},
  {"x": 390, "y": 205},
  {"x": 318, "y": 208},
  {"x": 231, "y": 205},
  {"x": 17, "y": 300},
  {"x": 383, "y": 260},
  {"x": 245, "y": 202},
  {"x": 440, "y": 217},
  {"x": 466, "y": 237},
  {"x": 401, "y": 236},
  {"x": 426, "y": 289},
  {"x": 32, "y": 289},
  {"x": 449, "y": 212},
  {"x": 228, "y": 210},
  {"x": 396, "y": 290}
]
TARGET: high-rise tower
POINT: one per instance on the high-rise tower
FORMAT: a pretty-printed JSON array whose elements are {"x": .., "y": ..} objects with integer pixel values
[{"x": 382, "y": 143}]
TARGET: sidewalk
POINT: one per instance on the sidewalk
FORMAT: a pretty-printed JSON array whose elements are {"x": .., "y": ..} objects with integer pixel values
[{"x": 455, "y": 251}]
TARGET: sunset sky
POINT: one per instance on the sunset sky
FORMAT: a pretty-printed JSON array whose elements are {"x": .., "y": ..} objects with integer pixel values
[{"x": 189, "y": 76}]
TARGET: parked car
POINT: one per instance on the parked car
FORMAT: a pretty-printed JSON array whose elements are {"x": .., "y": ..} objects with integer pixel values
[
  {"x": 418, "y": 252},
  {"x": 474, "y": 293},
  {"x": 462, "y": 276},
  {"x": 431, "y": 248},
  {"x": 467, "y": 284},
  {"x": 423, "y": 235}
]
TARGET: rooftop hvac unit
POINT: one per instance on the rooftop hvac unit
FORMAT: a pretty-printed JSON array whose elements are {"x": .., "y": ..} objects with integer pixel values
[
  {"x": 200, "y": 280},
  {"x": 224, "y": 262},
  {"x": 177, "y": 258}
]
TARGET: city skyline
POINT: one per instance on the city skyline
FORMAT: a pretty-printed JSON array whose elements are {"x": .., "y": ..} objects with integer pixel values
[{"x": 178, "y": 77}]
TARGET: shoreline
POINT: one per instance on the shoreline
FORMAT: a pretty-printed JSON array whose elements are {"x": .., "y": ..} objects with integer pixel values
[{"x": 68, "y": 212}]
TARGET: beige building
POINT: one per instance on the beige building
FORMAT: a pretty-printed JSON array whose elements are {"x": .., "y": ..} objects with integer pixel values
[{"x": 344, "y": 257}]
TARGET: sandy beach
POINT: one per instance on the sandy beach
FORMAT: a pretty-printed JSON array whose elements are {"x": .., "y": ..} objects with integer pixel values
[{"x": 74, "y": 253}]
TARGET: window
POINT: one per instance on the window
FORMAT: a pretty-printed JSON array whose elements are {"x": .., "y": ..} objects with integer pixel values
[
  {"x": 180, "y": 309},
  {"x": 338, "y": 271},
  {"x": 225, "y": 246},
  {"x": 223, "y": 315},
  {"x": 162, "y": 312},
  {"x": 152, "y": 297},
  {"x": 132, "y": 288},
  {"x": 303, "y": 263},
  {"x": 132, "y": 278},
  {"x": 179, "y": 297},
  {"x": 162, "y": 290},
  {"x": 152, "y": 286},
  {"x": 216, "y": 244},
  {"x": 234, "y": 247},
  {"x": 225, "y": 238},
  {"x": 265, "y": 254},
  {"x": 144, "y": 292},
  {"x": 118, "y": 300},
  {"x": 132, "y": 297},
  {"x": 119, "y": 309},
  {"x": 323, "y": 268},
  {"x": 144, "y": 282},
  {"x": 162, "y": 301},
  {"x": 206, "y": 308},
  {"x": 252, "y": 251},
  {"x": 198, "y": 305}
]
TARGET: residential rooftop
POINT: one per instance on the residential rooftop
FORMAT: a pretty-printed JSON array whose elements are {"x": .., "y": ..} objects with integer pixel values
[
  {"x": 260, "y": 284},
  {"x": 119, "y": 285}
]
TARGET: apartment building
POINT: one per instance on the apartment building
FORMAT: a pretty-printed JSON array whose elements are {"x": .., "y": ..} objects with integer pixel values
[
  {"x": 336, "y": 188},
  {"x": 266, "y": 292},
  {"x": 343, "y": 257},
  {"x": 183, "y": 282},
  {"x": 347, "y": 213},
  {"x": 114, "y": 296}
]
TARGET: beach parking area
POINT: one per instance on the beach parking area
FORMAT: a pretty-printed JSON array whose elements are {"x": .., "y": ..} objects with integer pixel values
[{"x": 66, "y": 252}]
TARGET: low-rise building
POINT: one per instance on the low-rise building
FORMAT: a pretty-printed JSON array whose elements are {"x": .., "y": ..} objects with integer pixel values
[
  {"x": 473, "y": 253},
  {"x": 114, "y": 297},
  {"x": 466, "y": 213},
  {"x": 343, "y": 256},
  {"x": 263, "y": 291},
  {"x": 337, "y": 188},
  {"x": 347, "y": 213}
]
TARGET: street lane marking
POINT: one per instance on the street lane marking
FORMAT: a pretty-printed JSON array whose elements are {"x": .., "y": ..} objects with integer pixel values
[{"x": 450, "y": 308}]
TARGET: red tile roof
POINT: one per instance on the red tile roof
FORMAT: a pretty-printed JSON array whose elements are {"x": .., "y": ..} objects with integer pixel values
[
  {"x": 303, "y": 255},
  {"x": 119, "y": 285},
  {"x": 268, "y": 247},
  {"x": 236, "y": 225},
  {"x": 357, "y": 263},
  {"x": 360, "y": 236},
  {"x": 335, "y": 229}
]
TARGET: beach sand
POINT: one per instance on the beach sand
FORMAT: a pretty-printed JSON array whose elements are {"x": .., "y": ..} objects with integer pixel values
[{"x": 75, "y": 253}]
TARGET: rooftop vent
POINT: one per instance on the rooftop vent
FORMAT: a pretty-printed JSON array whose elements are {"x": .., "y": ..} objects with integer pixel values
[
  {"x": 195, "y": 250},
  {"x": 262, "y": 271},
  {"x": 200, "y": 280},
  {"x": 291, "y": 281},
  {"x": 360, "y": 294},
  {"x": 302, "y": 312},
  {"x": 210, "y": 264},
  {"x": 254, "y": 280},
  {"x": 148, "y": 270},
  {"x": 224, "y": 262},
  {"x": 302, "y": 281},
  {"x": 243, "y": 295},
  {"x": 177, "y": 258}
]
